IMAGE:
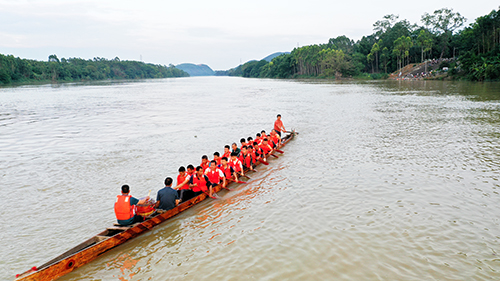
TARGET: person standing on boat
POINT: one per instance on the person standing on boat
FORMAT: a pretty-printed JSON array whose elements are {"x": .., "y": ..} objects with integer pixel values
[
  {"x": 278, "y": 125},
  {"x": 167, "y": 198},
  {"x": 125, "y": 207}
]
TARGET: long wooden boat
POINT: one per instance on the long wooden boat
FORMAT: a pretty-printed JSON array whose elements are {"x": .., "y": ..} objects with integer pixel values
[{"x": 108, "y": 239}]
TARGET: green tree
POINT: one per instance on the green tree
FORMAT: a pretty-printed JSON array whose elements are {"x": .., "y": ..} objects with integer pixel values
[
  {"x": 443, "y": 22},
  {"x": 424, "y": 41}
]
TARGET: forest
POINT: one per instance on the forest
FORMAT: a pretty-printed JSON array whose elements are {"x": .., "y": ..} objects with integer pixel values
[
  {"x": 17, "y": 70},
  {"x": 470, "y": 53}
]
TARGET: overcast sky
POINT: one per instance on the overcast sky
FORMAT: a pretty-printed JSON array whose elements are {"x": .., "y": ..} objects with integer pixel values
[{"x": 219, "y": 33}]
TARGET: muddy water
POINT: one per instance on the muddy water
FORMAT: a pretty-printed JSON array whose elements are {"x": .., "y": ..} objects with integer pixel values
[{"x": 386, "y": 181}]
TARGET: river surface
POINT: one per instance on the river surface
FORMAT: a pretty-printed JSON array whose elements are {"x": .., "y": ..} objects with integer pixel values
[{"x": 392, "y": 180}]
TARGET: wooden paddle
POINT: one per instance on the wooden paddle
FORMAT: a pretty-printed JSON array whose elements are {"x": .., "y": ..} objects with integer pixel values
[
  {"x": 274, "y": 155},
  {"x": 280, "y": 151},
  {"x": 263, "y": 162}
]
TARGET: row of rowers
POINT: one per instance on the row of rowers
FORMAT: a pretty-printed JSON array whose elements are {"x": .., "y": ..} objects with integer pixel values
[{"x": 192, "y": 181}]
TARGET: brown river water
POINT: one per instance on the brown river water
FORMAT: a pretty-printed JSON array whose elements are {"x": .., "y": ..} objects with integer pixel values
[{"x": 389, "y": 180}]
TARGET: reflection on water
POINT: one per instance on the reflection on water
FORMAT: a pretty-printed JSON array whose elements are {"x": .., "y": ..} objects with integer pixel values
[{"x": 388, "y": 180}]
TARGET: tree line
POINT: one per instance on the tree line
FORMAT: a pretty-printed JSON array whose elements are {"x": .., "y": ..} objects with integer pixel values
[
  {"x": 393, "y": 45},
  {"x": 17, "y": 70}
]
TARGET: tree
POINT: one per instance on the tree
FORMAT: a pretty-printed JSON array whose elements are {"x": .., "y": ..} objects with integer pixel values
[
  {"x": 402, "y": 47},
  {"x": 382, "y": 26},
  {"x": 385, "y": 58},
  {"x": 424, "y": 41},
  {"x": 374, "y": 53},
  {"x": 443, "y": 22}
]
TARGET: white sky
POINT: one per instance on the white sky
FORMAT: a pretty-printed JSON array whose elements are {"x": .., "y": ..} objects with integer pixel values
[{"x": 219, "y": 33}]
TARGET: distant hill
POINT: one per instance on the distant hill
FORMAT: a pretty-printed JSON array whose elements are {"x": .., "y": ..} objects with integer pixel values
[
  {"x": 196, "y": 69},
  {"x": 272, "y": 56}
]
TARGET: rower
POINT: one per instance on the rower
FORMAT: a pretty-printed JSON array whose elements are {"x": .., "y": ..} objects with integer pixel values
[
  {"x": 246, "y": 158},
  {"x": 259, "y": 154},
  {"x": 199, "y": 182},
  {"x": 275, "y": 138},
  {"x": 217, "y": 157},
  {"x": 266, "y": 148},
  {"x": 243, "y": 142},
  {"x": 124, "y": 207},
  {"x": 236, "y": 149},
  {"x": 253, "y": 156},
  {"x": 182, "y": 187},
  {"x": 249, "y": 141},
  {"x": 227, "y": 151},
  {"x": 204, "y": 162},
  {"x": 227, "y": 170},
  {"x": 258, "y": 138},
  {"x": 167, "y": 198},
  {"x": 190, "y": 170},
  {"x": 235, "y": 163},
  {"x": 278, "y": 125},
  {"x": 215, "y": 175}
]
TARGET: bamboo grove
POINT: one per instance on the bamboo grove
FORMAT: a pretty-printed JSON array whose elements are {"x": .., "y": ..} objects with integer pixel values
[{"x": 394, "y": 44}]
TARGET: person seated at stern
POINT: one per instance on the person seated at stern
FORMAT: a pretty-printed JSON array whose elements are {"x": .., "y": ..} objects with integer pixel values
[{"x": 124, "y": 207}]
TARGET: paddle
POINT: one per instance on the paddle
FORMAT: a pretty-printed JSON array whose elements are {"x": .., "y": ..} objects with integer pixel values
[
  {"x": 239, "y": 174},
  {"x": 263, "y": 162},
  {"x": 280, "y": 151},
  {"x": 214, "y": 195},
  {"x": 274, "y": 155}
]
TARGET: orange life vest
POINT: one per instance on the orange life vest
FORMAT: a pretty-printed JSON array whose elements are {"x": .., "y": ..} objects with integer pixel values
[
  {"x": 214, "y": 175},
  {"x": 181, "y": 179},
  {"x": 201, "y": 184},
  {"x": 123, "y": 209}
]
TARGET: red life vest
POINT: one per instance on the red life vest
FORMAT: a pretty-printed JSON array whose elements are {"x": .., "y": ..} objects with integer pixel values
[
  {"x": 205, "y": 166},
  {"x": 201, "y": 184},
  {"x": 214, "y": 176},
  {"x": 227, "y": 171},
  {"x": 236, "y": 165},
  {"x": 246, "y": 160},
  {"x": 181, "y": 179},
  {"x": 227, "y": 155},
  {"x": 266, "y": 148},
  {"x": 123, "y": 209}
]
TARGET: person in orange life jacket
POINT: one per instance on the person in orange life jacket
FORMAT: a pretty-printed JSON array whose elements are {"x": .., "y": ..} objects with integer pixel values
[
  {"x": 167, "y": 198},
  {"x": 227, "y": 170},
  {"x": 249, "y": 141},
  {"x": 215, "y": 175},
  {"x": 236, "y": 149},
  {"x": 243, "y": 143},
  {"x": 183, "y": 189},
  {"x": 275, "y": 138},
  {"x": 216, "y": 157},
  {"x": 246, "y": 158},
  {"x": 252, "y": 154},
  {"x": 263, "y": 134},
  {"x": 266, "y": 148},
  {"x": 190, "y": 170},
  {"x": 199, "y": 182},
  {"x": 235, "y": 163},
  {"x": 258, "y": 138},
  {"x": 204, "y": 162},
  {"x": 125, "y": 207},
  {"x": 227, "y": 151},
  {"x": 278, "y": 125},
  {"x": 259, "y": 154},
  {"x": 183, "y": 186}
]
